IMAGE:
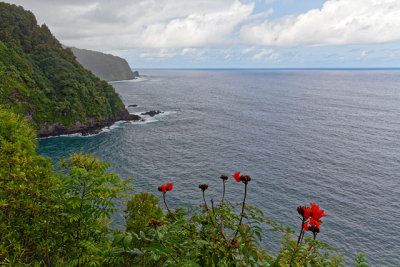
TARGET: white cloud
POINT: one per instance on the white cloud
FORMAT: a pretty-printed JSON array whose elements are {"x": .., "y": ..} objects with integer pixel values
[
  {"x": 266, "y": 54},
  {"x": 363, "y": 54},
  {"x": 248, "y": 49},
  {"x": 196, "y": 30},
  {"x": 193, "y": 52},
  {"x": 126, "y": 24},
  {"x": 338, "y": 22},
  {"x": 158, "y": 54}
]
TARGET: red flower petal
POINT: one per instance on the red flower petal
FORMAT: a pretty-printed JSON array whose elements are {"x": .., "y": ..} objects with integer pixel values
[
  {"x": 164, "y": 188},
  {"x": 307, "y": 212},
  {"x": 314, "y": 222},
  {"x": 237, "y": 176},
  {"x": 169, "y": 186},
  {"x": 305, "y": 226},
  {"x": 316, "y": 213}
]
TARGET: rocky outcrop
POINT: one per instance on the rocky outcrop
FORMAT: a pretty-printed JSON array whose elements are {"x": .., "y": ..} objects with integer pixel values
[
  {"x": 152, "y": 113},
  {"x": 90, "y": 126},
  {"x": 107, "y": 67}
]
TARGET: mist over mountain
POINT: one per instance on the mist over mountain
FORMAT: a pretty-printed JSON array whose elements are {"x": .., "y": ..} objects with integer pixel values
[{"x": 106, "y": 66}]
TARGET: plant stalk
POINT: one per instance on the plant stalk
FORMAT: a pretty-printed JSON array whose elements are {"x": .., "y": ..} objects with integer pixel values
[
  {"x": 165, "y": 202},
  {"x": 241, "y": 215},
  {"x": 298, "y": 241},
  {"x": 223, "y": 193}
]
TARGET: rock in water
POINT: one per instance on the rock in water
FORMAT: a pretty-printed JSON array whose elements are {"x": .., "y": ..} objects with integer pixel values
[{"x": 152, "y": 113}]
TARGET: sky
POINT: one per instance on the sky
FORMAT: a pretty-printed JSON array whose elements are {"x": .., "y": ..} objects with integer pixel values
[{"x": 229, "y": 33}]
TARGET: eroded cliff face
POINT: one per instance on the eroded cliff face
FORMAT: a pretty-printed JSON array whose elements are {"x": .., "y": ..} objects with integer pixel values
[{"x": 107, "y": 67}]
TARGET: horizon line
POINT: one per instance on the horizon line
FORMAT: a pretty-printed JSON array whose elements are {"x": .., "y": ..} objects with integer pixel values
[{"x": 309, "y": 68}]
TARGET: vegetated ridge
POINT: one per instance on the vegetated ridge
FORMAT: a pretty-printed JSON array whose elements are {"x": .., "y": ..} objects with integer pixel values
[
  {"x": 44, "y": 82},
  {"x": 107, "y": 67}
]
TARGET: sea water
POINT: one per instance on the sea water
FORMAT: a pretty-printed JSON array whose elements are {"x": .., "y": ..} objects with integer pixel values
[{"x": 325, "y": 136}]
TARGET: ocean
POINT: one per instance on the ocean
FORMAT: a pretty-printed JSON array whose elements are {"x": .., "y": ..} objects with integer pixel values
[{"x": 325, "y": 136}]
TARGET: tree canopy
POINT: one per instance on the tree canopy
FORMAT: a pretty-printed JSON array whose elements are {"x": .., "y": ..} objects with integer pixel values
[{"x": 43, "y": 81}]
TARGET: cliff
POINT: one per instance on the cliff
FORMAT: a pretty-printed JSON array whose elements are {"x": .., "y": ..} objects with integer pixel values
[
  {"x": 44, "y": 82},
  {"x": 107, "y": 67}
]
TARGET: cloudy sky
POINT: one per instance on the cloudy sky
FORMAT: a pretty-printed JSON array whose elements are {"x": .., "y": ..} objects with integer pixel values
[{"x": 229, "y": 33}]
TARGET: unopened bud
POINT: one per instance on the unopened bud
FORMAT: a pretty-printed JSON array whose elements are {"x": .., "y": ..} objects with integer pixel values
[
  {"x": 203, "y": 187},
  {"x": 245, "y": 179},
  {"x": 224, "y": 177}
]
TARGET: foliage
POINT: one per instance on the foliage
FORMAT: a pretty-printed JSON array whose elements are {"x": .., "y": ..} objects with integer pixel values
[
  {"x": 63, "y": 218},
  {"x": 105, "y": 66},
  {"x": 360, "y": 261},
  {"x": 88, "y": 195},
  {"x": 43, "y": 81},
  {"x": 207, "y": 237},
  {"x": 27, "y": 189}
]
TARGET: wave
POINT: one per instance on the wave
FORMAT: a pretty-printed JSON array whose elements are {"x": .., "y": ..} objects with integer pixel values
[
  {"x": 137, "y": 79},
  {"x": 119, "y": 124},
  {"x": 149, "y": 119}
]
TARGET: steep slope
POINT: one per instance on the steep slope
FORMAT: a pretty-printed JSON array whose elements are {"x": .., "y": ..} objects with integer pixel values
[
  {"x": 106, "y": 66},
  {"x": 43, "y": 81}
]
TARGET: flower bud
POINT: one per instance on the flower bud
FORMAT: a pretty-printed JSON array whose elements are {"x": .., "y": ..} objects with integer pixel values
[
  {"x": 313, "y": 229},
  {"x": 224, "y": 177},
  {"x": 300, "y": 210},
  {"x": 203, "y": 187},
  {"x": 245, "y": 179}
]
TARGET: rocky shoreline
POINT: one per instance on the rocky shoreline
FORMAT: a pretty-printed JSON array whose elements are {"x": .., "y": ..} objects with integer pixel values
[{"x": 89, "y": 127}]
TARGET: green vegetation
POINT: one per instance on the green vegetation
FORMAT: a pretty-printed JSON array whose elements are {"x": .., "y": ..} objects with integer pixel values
[
  {"x": 107, "y": 67},
  {"x": 62, "y": 217},
  {"x": 43, "y": 81}
]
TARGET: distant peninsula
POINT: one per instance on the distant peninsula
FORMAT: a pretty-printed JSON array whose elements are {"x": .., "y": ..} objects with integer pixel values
[
  {"x": 107, "y": 67},
  {"x": 45, "y": 83}
]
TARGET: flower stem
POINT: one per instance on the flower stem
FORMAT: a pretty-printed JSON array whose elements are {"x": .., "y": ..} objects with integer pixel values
[
  {"x": 301, "y": 232},
  {"x": 165, "y": 202},
  {"x": 213, "y": 210},
  {"x": 223, "y": 193},
  {"x": 298, "y": 241},
  {"x": 241, "y": 215},
  {"x": 208, "y": 211},
  {"x": 205, "y": 203}
]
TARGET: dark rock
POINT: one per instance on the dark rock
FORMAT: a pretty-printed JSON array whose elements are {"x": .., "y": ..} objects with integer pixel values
[
  {"x": 152, "y": 113},
  {"x": 124, "y": 115},
  {"x": 89, "y": 127},
  {"x": 132, "y": 106}
]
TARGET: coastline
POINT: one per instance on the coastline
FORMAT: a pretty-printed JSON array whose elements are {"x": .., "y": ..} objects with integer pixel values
[{"x": 91, "y": 126}]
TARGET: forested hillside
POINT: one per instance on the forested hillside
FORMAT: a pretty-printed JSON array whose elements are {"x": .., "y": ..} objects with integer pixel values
[
  {"x": 106, "y": 66},
  {"x": 45, "y": 83}
]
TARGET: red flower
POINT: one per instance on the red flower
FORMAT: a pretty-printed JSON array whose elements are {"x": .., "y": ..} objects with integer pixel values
[
  {"x": 237, "y": 176},
  {"x": 164, "y": 188},
  {"x": 305, "y": 226},
  {"x": 316, "y": 213},
  {"x": 307, "y": 212},
  {"x": 169, "y": 187},
  {"x": 314, "y": 222},
  {"x": 236, "y": 244}
]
